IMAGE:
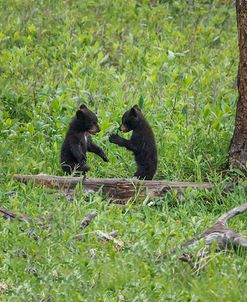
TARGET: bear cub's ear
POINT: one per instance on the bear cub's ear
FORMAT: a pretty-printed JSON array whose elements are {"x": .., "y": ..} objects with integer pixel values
[
  {"x": 83, "y": 107},
  {"x": 137, "y": 107},
  {"x": 81, "y": 112},
  {"x": 135, "y": 110}
]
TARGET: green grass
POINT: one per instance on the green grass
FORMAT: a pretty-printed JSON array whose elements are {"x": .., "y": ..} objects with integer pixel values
[{"x": 177, "y": 58}]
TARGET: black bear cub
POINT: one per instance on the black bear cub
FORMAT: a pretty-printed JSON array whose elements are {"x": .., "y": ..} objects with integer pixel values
[
  {"x": 78, "y": 141},
  {"x": 142, "y": 142}
]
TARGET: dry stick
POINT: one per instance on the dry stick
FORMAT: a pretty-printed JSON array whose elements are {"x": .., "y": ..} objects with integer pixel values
[
  {"x": 9, "y": 214},
  {"x": 219, "y": 233},
  {"x": 111, "y": 237},
  {"x": 69, "y": 194},
  {"x": 113, "y": 234},
  {"x": 116, "y": 188},
  {"x": 85, "y": 222}
]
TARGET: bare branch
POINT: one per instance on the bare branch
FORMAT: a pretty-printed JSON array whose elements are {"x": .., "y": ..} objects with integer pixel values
[
  {"x": 85, "y": 222},
  {"x": 224, "y": 238},
  {"x": 9, "y": 214},
  {"x": 236, "y": 211},
  {"x": 105, "y": 236}
]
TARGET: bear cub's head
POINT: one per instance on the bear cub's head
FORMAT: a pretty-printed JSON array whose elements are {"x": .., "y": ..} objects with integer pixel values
[
  {"x": 86, "y": 120},
  {"x": 132, "y": 119}
]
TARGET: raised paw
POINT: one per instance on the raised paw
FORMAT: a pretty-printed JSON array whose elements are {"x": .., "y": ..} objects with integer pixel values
[{"x": 114, "y": 138}]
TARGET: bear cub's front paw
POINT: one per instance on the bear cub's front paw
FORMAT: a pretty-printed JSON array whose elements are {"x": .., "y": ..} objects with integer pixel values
[{"x": 114, "y": 138}]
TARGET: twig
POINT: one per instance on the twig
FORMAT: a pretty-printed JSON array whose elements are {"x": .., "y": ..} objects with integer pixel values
[
  {"x": 110, "y": 237},
  {"x": 69, "y": 194},
  {"x": 85, "y": 222},
  {"x": 9, "y": 214}
]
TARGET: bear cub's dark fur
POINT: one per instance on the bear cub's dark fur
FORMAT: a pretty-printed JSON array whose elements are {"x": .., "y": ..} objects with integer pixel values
[
  {"x": 78, "y": 141},
  {"x": 142, "y": 142}
]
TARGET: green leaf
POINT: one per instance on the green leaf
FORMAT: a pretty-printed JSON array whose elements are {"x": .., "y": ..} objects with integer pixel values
[
  {"x": 206, "y": 111},
  {"x": 8, "y": 122},
  {"x": 141, "y": 102},
  {"x": 30, "y": 128}
]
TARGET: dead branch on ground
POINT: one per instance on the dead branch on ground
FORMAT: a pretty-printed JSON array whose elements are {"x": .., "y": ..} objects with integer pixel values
[
  {"x": 85, "y": 222},
  {"x": 219, "y": 235},
  {"x": 9, "y": 214},
  {"x": 110, "y": 237}
]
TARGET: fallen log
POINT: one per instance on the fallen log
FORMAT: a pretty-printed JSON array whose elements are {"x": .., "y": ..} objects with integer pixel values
[
  {"x": 9, "y": 214},
  {"x": 116, "y": 188},
  {"x": 219, "y": 235}
]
